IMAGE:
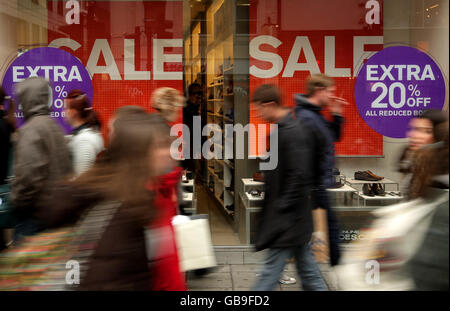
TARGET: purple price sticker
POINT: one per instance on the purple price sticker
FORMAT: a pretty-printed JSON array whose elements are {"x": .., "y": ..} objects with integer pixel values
[
  {"x": 396, "y": 84},
  {"x": 64, "y": 72}
]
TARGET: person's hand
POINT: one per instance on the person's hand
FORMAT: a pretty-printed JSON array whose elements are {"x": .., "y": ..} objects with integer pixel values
[{"x": 337, "y": 105}]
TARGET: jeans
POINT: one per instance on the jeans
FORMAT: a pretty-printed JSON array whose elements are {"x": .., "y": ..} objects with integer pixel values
[{"x": 307, "y": 269}]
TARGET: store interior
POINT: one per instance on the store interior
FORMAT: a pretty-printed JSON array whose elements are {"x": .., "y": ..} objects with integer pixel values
[{"x": 216, "y": 36}]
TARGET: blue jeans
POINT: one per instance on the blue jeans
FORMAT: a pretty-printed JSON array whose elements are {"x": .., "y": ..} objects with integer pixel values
[{"x": 307, "y": 269}]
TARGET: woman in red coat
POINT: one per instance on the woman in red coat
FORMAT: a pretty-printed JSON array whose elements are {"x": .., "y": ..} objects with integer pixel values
[{"x": 166, "y": 273}]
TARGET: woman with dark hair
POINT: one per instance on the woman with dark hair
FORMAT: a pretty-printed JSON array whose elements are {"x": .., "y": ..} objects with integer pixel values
[
  {"x": 420, "y": 134},
  {"x": 86, "y": 141},
  {"x": 429, "y": 267},
  {"x": 121, "y": 175}
]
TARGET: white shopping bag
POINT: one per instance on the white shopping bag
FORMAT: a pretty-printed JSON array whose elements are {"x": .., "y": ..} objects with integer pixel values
[
  {"x": 379, "y": 261},
  {"x": 194, "y": 244}
]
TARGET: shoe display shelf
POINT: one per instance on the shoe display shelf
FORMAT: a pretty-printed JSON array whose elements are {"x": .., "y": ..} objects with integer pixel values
[
  {"x": 252, "y": 206},
  {"x": 189, "y": 197},
  {"x": 388, "y": 197},
  {"x": 220, "y": 102},
  {"x": 346, "y": 191}
]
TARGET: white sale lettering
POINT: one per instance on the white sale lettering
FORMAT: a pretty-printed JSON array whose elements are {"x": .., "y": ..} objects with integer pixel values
[
  {"x": 302, "y": 43},
  {"x": 102, "y": 47}
]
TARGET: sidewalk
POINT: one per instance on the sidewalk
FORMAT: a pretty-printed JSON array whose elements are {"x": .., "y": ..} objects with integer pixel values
[{"x": 237, "y": 269}]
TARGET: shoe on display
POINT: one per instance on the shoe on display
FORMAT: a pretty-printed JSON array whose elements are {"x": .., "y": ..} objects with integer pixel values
[
  {"x": 254, "y": 192},
  {"x": 287, "y": 280},
  {"x": 189, "y": 174},
  {"x": 359, "y": 175},
  {"x": 378, "y": 189},
  {"x": 336, "y": 172},
  {"x": 337, "y": 185},
  {"x": 374, "y": 176},
  {"x": 367, "y": 190},
  {"x": 230, "y": 207},
  {"x": 258, "y": 176}
]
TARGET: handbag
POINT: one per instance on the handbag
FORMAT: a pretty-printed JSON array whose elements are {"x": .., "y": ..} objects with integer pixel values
[
  {"x": 195, "y": 249},
  {"x": 39, "y": 261}
]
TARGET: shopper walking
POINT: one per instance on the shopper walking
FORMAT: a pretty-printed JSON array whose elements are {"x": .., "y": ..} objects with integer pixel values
[
  {"x": 121, "y": 174},
  {"x": 420, "y": 134},
  {"x": 41, "y": 156},
  {"x": 86, "y": 141},
  {"x": 285, "y": 224},
  {"x": 320, "y": 94},
  {"x": 166, "y": 269},
  {"x": 429, "y": 266},
  {"x": 191, "y": 110}
]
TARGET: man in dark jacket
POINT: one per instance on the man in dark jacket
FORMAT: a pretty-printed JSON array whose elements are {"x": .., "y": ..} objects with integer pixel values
[
  {"x": 191, "y": 110},
  {"x": 320, "y": 94},
  {"x": 41, "y": 156},
  {"x": 285, "y": 224}
]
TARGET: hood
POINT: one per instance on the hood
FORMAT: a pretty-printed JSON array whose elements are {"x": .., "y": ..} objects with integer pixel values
[
  {"x": 302, "y": 101},
  {"x": 34, "y": 94}
]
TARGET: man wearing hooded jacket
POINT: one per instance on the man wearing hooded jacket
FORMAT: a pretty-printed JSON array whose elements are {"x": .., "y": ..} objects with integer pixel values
[
  {"x": 41, "y": 156},
  {"x": 320, "y": 94}
]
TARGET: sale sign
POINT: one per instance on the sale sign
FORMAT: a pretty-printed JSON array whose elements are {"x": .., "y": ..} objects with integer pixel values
[
  {"x": 395, "y": 85},
  {"x": 63, "y": 71},
  {"x": 290, "y": 40},
  {"x": 130, "y": 48}
]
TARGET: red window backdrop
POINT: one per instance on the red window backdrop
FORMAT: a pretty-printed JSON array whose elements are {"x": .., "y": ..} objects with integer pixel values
[
  {"x": 316, "y": 19},
  {"x": 115, "y": 21}
]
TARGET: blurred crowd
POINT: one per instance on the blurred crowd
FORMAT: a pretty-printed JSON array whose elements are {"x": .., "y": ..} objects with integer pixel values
[{"x": 124, "y": 192}]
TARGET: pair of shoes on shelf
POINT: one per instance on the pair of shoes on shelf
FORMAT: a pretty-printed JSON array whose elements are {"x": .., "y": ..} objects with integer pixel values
[
  {"x": 372, "y": 190},
  {"x": 367, "y": 176}
]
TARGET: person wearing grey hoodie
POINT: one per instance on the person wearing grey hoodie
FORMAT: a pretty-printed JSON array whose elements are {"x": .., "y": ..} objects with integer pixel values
[{"x": 41, "y": 156}]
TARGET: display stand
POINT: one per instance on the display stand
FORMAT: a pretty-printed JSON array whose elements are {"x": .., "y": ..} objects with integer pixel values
[
  {"x": 220, "y": 103},
  {"x": 351, "y": 214},
  {"x": 252, "y": 206},
  {"x": 189, "y": 198},
  {"x": 387, "y": 197}
]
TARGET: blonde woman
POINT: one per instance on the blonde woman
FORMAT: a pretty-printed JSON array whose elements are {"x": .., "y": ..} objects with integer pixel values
[
  {"x": 168, "y": 102},
  {"x": 166, "y": 272}
]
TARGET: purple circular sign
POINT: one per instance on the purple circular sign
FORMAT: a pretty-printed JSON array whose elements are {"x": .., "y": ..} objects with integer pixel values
[
  {"x": 396, "y": 84},
  {"x": 64, "y": 72}
]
